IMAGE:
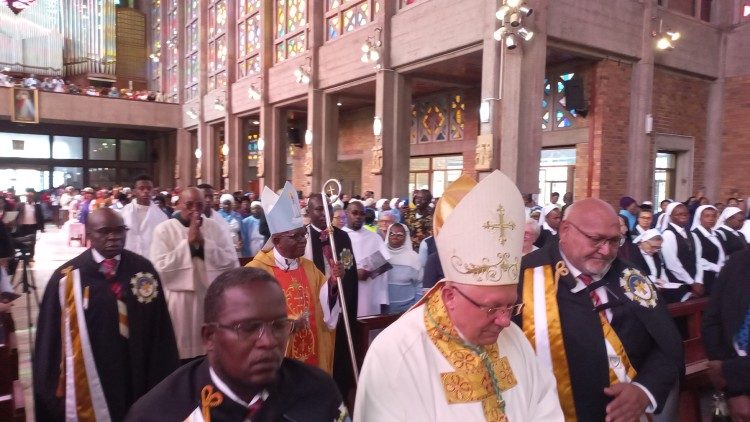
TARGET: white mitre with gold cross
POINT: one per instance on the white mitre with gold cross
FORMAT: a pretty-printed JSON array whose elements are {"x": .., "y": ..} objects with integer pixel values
[{"x": 480, "y": 241}]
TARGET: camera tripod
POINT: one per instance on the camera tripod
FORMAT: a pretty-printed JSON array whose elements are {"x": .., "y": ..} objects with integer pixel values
[{"x": 28, "y": 287}]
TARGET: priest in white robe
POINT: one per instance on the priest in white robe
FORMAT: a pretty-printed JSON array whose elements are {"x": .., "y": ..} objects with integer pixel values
[
  {"x": 189, "y": 252},
  {"x": 370, "y": 254},
  {"x": 456, "y": 356},
  {"x": 141, "y": 216}
]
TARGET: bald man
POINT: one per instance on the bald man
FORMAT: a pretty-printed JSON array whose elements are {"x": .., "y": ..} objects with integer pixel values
[
  {"x": 190, "y": 251},
  {"x": 597, "y": 322},
  {"x": 103, "y": 310}
]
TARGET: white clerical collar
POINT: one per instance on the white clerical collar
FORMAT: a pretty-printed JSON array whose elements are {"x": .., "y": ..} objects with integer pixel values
[
  {"x": 284, "y": 263},
  {"x": 679, "y": 229},
  {"x": 98, "y": 258},
  {"x": 316, "y": 228},
  {"x": 575, "y": 272},
  {"x": 704, "y": 231},
  {"x": 729, "y": 229},
  {"x": 221, "y": 385}
]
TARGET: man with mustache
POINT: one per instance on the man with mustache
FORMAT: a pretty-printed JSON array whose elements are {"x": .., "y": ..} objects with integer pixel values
[
  {"x": 597, "y": 322},
  {"x": 103, "y": 328},
  {"x": 244, "y": 375},
  {"x": 312, "y": 299}
]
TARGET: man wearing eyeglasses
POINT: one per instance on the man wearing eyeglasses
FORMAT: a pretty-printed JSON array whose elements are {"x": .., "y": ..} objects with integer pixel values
[
  {"x": 244, "y": 376},
  {"x": 312, "y": 299},
  {"x": 103, "y": 329},
  {"x": 598, "y": 322},
  {"x": 456, "y": 356}
]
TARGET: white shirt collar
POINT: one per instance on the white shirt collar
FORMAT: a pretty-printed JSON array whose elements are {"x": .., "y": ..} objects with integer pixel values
[
  {"x": 263, "y": 395},
  {"x": 575, "y": 272},
  {"x": 285, "y": 264},
  {"x": 729, "y": 229},
  {"x": 704, "y": 231},
  {"x": 99, "y": 258},
  {"x": 680, "y": 230},
  {"x": 316, "y": 228}
]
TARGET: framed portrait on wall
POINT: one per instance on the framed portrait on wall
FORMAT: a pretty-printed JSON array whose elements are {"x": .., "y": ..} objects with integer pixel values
[{"x": 25, "y": 105}]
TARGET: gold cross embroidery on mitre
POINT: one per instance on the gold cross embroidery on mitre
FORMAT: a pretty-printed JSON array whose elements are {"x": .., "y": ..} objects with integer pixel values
[{"x": 500, "y": 225}]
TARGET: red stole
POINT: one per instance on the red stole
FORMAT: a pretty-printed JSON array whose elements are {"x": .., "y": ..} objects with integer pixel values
[{"x": 304, "y": 342}]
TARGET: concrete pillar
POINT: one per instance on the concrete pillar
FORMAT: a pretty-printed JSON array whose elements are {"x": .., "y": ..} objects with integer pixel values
[
  {"x": 272, "y": 127},
  {"x": 521, "y": 92},
  {"x": 640, "y": 159},
  {"x": 488, "y": 143},
  {"x": 314, "y": 162},
  {"x": 328, "y": 155},
  {"x": 714, "y": 128},
  {"x": 184, "y": 171},
  {"x": 232, "y": 125},
  {"x": 392, "y": 105}
]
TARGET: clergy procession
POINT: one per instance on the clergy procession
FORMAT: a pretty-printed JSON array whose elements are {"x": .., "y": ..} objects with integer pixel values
[{"x": 164, "y": 317}]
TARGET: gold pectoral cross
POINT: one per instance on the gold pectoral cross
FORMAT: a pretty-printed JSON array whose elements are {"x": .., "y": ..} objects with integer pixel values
[{"x": 500, "y": 225}]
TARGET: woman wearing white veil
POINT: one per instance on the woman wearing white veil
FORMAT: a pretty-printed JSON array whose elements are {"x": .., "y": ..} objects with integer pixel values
[
  {"x": 709, "y": 253},
  {"x": 728, "y": 228},
  {"x": 678, "y": 251}
]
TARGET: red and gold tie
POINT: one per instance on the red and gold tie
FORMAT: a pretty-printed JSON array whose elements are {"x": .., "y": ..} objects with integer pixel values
[
  {"x": 108, "y": 268},
  {"x": 586, "y": 279}
]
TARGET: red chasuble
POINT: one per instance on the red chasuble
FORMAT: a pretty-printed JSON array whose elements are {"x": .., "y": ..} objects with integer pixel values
[{"x": 303, "y": 344}]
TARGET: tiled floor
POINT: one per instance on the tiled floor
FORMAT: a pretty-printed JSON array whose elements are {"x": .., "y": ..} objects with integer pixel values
[{"x": 52, "y": 251}]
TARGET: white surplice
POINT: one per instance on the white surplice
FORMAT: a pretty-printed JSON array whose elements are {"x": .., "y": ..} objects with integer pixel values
[
  {"x": 401, "y": 381},
  {"x": 141, "y": 226},
  {"x": 373, "y": 292},
  {"x": 185, "y": 278}
]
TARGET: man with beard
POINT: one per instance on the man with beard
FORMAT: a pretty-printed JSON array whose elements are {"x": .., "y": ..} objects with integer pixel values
[
  {"x": 597, "y": 322},
  {"x": 190, "y": 251},
  {"x": 312, "y": 300},
  {"x": 245, "y": 375},
  {"x": 103, "y": 329},
  {"x": 141, "y": 216},
  {"x": 319, "y": 251}
]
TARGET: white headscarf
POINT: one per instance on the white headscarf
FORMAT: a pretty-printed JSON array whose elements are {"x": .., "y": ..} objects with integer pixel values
[
  {"x": 728, "y": 212},
  {"x": 647, "y": 235},
  {"x": 379, "y": 204},
  {"x": 393, "y": 203},
  {"x": 543, "y": 218},
  {"x": 403, "y": 255},
  {"x": 666, "y": 217},
  {"x": 697, "y": 218}
]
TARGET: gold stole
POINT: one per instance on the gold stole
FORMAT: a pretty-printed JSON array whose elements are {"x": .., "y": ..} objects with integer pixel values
[
  {"x": 304, "y": 342},
  {"x": 555, "y": 336},
  {"x": 84, "y": 402},
  {"x": 480, "y": 373}
]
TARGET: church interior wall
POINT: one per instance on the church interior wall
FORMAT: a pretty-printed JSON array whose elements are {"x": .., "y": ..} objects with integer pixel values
[
  {"x": 735, "y": 139},
  {"x": 680, "y": 108},
  {"x": 355, "y": 141}
]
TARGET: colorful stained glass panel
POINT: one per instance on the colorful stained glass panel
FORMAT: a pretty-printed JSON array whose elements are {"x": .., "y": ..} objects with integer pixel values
[{"x": 253, "y": 34}]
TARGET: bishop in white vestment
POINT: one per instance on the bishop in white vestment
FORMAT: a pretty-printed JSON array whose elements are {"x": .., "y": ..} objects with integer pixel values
[{"x": 456, "y": 356}]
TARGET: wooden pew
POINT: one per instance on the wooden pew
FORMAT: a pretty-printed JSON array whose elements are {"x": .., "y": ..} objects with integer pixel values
[
  {"x": 365, "y": 328},
  {"x": 696, "y": 362},
  {"x": 12, "y": 406}
]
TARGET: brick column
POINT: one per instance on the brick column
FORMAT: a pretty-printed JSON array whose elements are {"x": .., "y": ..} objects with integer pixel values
[
  {"x": 392, "y": 105},
  {"x": 232, "y": 124}
]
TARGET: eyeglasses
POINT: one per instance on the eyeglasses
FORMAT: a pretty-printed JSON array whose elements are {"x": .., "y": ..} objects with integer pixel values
[
  {"x": 614, "y": 242},
  {"x": 397, "y": 235},
  {"x": 299, "y": 236},
  {"x": 492, "y": 311},
  {"x": 253, "y": 330},
  {"x": 106, "y": 231},
  {"x": 651, "y": 245}
]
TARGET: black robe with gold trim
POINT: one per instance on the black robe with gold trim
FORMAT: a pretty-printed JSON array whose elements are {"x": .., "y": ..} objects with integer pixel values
[
  {"x": 301, "y": 393},
  {"x": 648, "y": 335},
  {"x": 127, "y": 368}
]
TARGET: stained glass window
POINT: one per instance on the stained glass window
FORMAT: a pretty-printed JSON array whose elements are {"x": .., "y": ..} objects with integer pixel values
[
  {"x": 172, "y": 54},
  {"x": 192, "y": 33},
  {"x": 248, "y": 38},
  {"x": 155, "y": 19},
  {"x": 291, "y": 28},
  {"x": 438, "y": 118},
  {"x": 344, "y": 16},
  {"x": 217, "y": 44},
  {"x": 553, "y": 104}
]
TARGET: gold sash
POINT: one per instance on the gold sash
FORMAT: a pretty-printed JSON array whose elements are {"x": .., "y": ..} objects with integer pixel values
[
  {"x": 480, "y": 373},
  {"x": 555, "y": 336}
]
